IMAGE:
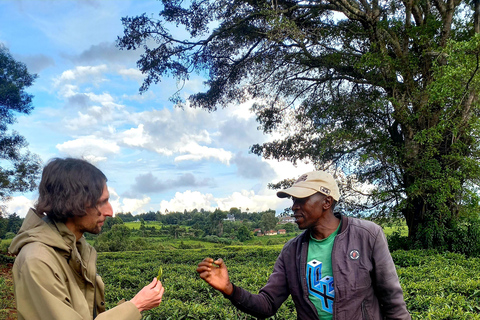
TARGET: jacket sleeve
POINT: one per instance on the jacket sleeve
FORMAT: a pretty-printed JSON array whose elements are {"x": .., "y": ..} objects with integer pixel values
[
  {"x": 41, "y": 294},
  {"x": 126, "y": 310},
  {"x": 123, "y": 310},
  {"x": 266, "y": 303},
  {"x": 386, "y": 284}
]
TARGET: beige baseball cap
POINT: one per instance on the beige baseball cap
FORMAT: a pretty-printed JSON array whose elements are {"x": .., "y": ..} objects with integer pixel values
[{"x": 310, "y": 183}]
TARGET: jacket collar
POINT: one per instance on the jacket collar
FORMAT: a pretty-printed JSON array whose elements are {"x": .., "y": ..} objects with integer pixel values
[{"x": 305, "y": 236}]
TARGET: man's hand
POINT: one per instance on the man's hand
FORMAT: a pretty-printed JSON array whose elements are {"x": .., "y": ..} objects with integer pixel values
[
  {"x": 215, "y": 273},
  {"x": 150, "y": 296}
]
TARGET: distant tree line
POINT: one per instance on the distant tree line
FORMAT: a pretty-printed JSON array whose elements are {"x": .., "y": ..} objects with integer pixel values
[
  {"x": 224, "y": 227},
  {"x": 201, "y": 223},
  {"x": 10, "y": 225}
]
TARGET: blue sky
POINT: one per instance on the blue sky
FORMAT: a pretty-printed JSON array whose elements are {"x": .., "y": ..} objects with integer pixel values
[{"x": 87, "y": 104}]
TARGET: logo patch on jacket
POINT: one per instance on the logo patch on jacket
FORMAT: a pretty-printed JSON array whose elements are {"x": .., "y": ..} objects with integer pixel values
[{"x": 354, "y": 254}]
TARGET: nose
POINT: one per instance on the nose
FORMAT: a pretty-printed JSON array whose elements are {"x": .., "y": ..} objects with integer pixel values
[
  {"x": 108, "y": 210},
  {"x": 295, "y": 205}
]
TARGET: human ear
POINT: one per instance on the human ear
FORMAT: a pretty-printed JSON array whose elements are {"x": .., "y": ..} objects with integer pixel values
[{"x": 327, "y": 202}]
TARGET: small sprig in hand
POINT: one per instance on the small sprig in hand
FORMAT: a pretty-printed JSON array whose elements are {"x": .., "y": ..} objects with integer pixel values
[{"x": 160, "y": 273}]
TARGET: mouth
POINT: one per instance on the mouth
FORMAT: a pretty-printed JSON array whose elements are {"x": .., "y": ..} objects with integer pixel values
[{"x": 296, "y": 217}]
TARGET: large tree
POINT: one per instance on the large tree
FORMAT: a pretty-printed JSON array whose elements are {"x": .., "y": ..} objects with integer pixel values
[
  {"x": 19, "y": 168},
  {"x": 385, "y": 91}
]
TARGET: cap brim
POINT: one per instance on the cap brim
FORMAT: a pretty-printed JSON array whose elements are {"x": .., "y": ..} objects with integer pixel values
[{"x": 296, "y": 192}]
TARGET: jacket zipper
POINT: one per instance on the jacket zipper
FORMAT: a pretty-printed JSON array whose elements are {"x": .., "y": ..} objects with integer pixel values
[{"x": 364, "y": 311}]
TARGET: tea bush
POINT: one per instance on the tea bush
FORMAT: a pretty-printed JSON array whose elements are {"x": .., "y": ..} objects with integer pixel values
[{"x": 436, "y": 285}]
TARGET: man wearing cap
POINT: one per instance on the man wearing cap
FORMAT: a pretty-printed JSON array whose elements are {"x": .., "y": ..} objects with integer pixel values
[{"x": 338, "y": 268}]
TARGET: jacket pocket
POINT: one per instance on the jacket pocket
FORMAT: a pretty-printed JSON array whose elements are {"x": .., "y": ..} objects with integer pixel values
[{"x": 364, "y": 311}]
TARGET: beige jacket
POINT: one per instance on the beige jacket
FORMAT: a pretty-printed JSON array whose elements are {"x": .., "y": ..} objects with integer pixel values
[{"x": 55, "y": 276}]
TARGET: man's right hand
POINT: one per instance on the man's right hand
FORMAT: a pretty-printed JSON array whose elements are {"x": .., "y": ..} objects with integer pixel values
[
  {"x": 215, "y": 273},
  {"x": 150, "y": 296}
]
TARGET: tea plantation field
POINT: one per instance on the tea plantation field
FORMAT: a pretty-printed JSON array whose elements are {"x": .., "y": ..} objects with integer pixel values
[{"x": 436, "y": 285}]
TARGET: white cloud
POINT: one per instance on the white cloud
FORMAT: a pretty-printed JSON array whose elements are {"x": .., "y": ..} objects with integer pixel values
[
  {"x": 83, "y": 120},
  {"x": 196, "y": 152},
  {"x": 132, "y": 73},
  {"x": 90, "y": 148},
  {"x": 19, "y": 205},
  {"x": 169, "y": 132},
  {"x": 82, "y": 74},
  {"x": 248, "y": 199},
  {"x": 136, "y": 137},
  {"x": 188, "y": 200},
  {"x": 243, "y": 199},
  {"x": 134, "y": 206},
  {"x": 243, "y": 110}
]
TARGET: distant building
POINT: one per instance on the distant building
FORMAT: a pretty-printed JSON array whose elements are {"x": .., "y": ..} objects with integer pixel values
[
  {"x": 257, "y": 230},
  {"x": 259, "y": 234},
  {"x": 270, "y": 233},
  {"x": 230, "y": 217},
  {"x": 282, "y": 231},
  {"x": 287, "y": 219}
]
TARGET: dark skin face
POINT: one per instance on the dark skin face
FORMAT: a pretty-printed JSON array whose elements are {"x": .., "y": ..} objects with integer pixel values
[{"x": 315, "y": 213}]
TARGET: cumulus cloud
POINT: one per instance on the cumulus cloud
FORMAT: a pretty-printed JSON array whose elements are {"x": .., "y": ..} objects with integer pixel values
[
  {"x": 19, "y": 205},
  {"x": 239, "y": 132},
  {"x": 249, "y": 199},
  {"x": 195, "y": 152},
  {"x": 148, "y": 183},
  {"x": 188, "y": 200},
  {"x": 81, "y": 100},
  {"x": 124, "y": 205},
  {"x": 245, "y": 199},
  {"x": 253, "y": 167},
  {"x": 169, "y": 132},
  {"x": 90, "y": 148},
  {"x": 82, "y": 74},
  {"x": 134, "y": 205},
  {"x": 132, "y": 73}
]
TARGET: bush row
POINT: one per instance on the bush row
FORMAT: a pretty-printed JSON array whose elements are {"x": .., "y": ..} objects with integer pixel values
[{"x": 436, "y": 285}]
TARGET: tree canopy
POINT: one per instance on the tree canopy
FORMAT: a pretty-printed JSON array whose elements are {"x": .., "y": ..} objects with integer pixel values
[
  {"x": 384, "y": 91},
  {"x": 19, "y": 168}
]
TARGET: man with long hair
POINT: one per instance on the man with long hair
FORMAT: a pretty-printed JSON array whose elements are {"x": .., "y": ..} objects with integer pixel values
[{"x": 55, "y": 273}]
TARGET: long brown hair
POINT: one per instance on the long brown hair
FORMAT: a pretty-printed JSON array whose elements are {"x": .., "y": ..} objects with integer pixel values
[{"x": 68, "y": 187}]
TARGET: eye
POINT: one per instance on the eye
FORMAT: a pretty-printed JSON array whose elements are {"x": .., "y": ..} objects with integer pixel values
[{"x": 102, "y": 203}]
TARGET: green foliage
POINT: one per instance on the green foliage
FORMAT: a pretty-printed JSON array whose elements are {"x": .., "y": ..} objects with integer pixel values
[
  {"x": 207, "y": 225},
  {"x": 436, "y": 285},
  {"x": 118, "y": 239},
  {"x": 4, "y": 244},
  {"x": 10, "y": 225},
  {"x": 7, "y": 303},
  {"x": 110, "y": 222},
  {"x": 387, "y": 91},
  {"x": 23, "y": 168},
  {"x": 243, "y": 233},
  {"x": 439, "y": 286},
  {"x": 186, "y": 295},
  {"x": 268, "y": 221}
]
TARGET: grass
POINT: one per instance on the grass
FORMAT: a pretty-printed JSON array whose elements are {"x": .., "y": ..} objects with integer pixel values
[
  {"x": 389, "y": 230},
  {"x": 136, "y": 225},
  {"x": 7, "y": 301}
]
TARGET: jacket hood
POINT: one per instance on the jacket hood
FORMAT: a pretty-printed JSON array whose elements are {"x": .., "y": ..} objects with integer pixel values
[{"x": 37, "y": 228}]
